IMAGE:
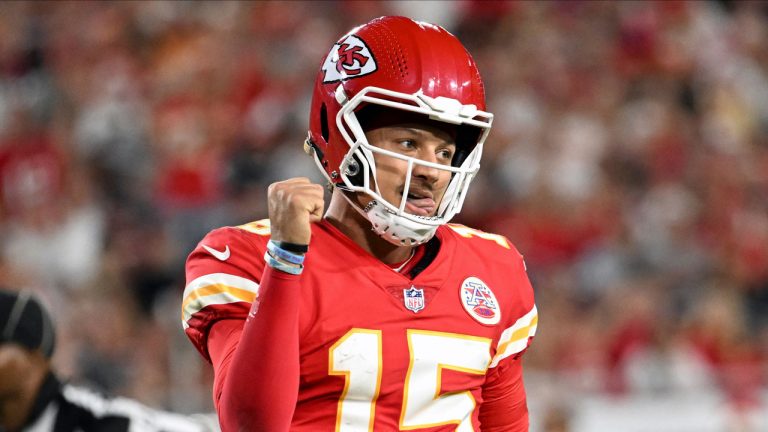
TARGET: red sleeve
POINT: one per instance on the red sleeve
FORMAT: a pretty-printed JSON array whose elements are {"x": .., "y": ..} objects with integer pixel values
[
  {"x": 223, "y": 338},
  {"x": 504, "y": 407},
  {"x": 223, "y": 274},
  {"x": 257, "y": 367}
]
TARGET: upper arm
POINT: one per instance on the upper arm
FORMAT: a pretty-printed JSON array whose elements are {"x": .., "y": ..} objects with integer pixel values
[{"x": 220, "y": 289}]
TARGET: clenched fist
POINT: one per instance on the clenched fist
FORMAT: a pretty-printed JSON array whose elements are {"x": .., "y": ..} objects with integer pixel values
[{"x": 293, "y": 205}]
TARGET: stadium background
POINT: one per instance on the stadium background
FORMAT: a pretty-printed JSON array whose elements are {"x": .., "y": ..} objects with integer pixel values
[{"x": 628, "y": 162}]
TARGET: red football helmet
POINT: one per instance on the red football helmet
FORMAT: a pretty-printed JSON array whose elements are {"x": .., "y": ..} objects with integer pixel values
[{"x": 401, "y": 64}]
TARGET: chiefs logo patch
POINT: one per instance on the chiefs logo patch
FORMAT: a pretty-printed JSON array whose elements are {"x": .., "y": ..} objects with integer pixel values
[
  {"x": 349, "y": 58},
  {"x": 479, "y": 301}
]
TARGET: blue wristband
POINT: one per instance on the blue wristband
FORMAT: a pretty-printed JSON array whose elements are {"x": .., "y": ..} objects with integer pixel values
[
  {"x": 282, "y": 266},
  {"x": 283, "y": 254}
]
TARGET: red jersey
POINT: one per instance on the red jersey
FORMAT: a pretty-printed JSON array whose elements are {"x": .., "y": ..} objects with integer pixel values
[{"x": 377, "y": 350}]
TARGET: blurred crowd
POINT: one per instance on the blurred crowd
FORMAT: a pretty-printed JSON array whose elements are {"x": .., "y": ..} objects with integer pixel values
[{"x": 628, "y": 163}]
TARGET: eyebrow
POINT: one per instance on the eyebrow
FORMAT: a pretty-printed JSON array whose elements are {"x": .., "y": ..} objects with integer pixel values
[
  {"x": 412, "y": 130},
  {"x": 421, "y": 132}
]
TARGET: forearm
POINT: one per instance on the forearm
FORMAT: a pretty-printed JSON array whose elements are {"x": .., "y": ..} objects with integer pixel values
[
  {"x": 505, "y": 408},
  {"x": 513, "y": 418},
  {"x": 260, "y": 388}
]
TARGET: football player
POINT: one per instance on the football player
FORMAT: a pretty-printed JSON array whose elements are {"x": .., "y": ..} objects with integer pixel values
[{"x": 377, "y": 315}]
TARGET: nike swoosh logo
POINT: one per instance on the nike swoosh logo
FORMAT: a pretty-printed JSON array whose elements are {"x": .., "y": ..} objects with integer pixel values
[{"x": 220, "y": 255}]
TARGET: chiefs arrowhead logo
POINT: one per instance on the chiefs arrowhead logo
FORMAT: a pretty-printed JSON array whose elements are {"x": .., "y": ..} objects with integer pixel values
[{"x": 349, "y": 58}]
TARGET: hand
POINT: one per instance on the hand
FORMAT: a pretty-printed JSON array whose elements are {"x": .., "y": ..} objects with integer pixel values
[{"x": 293, "y": 205}]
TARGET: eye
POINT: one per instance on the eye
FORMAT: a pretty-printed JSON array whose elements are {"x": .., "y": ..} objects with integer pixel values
[
  {"x": 445, "y": 154},
  {"x": 407, "y": 144}
]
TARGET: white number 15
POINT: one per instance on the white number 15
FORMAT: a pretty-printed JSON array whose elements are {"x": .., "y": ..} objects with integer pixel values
[{"x": 357, "y": 356}]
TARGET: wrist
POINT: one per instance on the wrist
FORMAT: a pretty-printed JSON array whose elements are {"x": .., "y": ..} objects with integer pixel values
[
  {"x": 296, "y": 248},
  {"x": 283, "y": 260},
  {"x": 277, "y": 251},
  {"x": 283, "y": 266}
]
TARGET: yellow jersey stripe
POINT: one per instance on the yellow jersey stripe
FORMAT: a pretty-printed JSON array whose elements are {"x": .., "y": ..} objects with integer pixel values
[
  {"x": 260, "y": 227},
  {"x": 515, "y": 338},
  {"x": 216, "y": 288}
]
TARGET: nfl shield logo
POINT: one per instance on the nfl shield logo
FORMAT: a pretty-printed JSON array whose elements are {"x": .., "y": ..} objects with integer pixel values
[{"x": 413, "y": 299}]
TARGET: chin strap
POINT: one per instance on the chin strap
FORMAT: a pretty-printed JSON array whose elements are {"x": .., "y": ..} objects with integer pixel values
[
  {"x": 363, "y": 211},
  {"x": 385, "y": 223}
]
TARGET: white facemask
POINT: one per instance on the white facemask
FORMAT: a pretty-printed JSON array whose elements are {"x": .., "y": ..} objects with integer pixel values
[{"x": 390, "y": 220}]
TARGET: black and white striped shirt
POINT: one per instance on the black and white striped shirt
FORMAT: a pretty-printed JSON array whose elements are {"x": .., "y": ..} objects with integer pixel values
[{"x": 67, "y": 408}]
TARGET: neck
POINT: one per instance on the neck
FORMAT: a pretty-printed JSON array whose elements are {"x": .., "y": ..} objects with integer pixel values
[{"x": 355, "y": 226}]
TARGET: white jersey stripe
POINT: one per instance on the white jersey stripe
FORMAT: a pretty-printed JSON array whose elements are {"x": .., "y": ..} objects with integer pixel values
[{"x": 515, "y": 338}]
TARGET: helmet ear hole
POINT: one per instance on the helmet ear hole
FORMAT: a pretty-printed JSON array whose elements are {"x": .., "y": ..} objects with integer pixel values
[
  {"x": 353, "y": 168},
  {"x": 324, "y": 122},
  {"x": 354, "y": 171}
]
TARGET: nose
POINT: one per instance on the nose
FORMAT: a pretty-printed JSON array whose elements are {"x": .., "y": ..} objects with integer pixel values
[{"x": 429, "y": 174}]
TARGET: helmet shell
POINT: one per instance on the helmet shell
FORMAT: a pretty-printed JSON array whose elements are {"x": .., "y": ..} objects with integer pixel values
[{"x": 392, "y": 53}]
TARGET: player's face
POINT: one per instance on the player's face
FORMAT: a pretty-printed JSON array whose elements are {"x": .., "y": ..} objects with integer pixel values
[
  {"x": 14, "y": 367},
  {"x": 420, "y": 141}
]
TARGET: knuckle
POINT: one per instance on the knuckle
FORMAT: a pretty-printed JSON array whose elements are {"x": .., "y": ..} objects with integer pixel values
[{"x": 276, "y": 188}]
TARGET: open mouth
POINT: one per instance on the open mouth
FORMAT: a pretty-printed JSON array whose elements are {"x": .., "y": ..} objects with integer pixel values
[{"x": 420, "y": 203}]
